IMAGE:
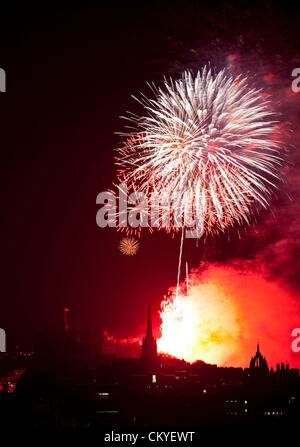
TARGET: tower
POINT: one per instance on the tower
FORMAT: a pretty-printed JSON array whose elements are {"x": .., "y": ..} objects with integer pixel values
[
  {"x": 149, "y": 349},
  {"x": 259, "y": 363}
]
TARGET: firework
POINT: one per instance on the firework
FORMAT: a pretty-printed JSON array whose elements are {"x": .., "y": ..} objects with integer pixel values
[
  {"x": 133, "y": 207},
  {"x": 209, "y": 144},
  {"x": 218, "y": 321},
  {"x": 129, "y": 246}
]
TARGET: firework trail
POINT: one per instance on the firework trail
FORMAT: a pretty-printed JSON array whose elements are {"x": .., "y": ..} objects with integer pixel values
[
  {"x": 209, "y": 144},
  {"x": 128, "y": 246}
]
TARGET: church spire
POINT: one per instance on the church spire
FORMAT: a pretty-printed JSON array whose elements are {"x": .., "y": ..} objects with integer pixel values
[
  {"x": 258, "y": 362},
  {"x": 149, "y": 324},
  {"x": 149, "y": 348}
]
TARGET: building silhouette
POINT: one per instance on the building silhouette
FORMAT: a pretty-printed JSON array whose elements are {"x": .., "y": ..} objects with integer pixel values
[
  {"x": 69, "y": 385},
  {"x": 149, "y": 348},
  {"x": 258, "y": 363}
]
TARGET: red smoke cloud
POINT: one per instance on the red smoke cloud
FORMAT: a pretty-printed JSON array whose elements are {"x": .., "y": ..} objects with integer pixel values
[{"x": 227, "y": 311}]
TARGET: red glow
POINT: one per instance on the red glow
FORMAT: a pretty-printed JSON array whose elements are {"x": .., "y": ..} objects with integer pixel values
[
  {"x": 225, "y": 314},
  {"x": 269, "y": 76},
  {"x": 232, "y": 57}
]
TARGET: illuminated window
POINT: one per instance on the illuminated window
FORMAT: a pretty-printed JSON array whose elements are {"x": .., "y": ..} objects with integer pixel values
[
  {"x": 153, "y": 378},
  {"x": 103, "y": 395}
]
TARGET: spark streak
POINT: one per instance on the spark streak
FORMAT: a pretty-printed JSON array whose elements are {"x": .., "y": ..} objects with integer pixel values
[{"x": 209, "y": 144}]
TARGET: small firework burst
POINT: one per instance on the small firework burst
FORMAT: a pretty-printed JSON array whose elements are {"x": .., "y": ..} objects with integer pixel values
[{"x": 128, "y": 246}]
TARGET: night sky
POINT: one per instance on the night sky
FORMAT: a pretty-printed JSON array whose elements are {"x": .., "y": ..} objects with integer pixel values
[{"x": 70, "y": 74}]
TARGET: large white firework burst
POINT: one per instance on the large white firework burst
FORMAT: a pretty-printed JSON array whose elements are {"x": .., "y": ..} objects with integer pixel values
[{"x": 211, "y": 136}]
